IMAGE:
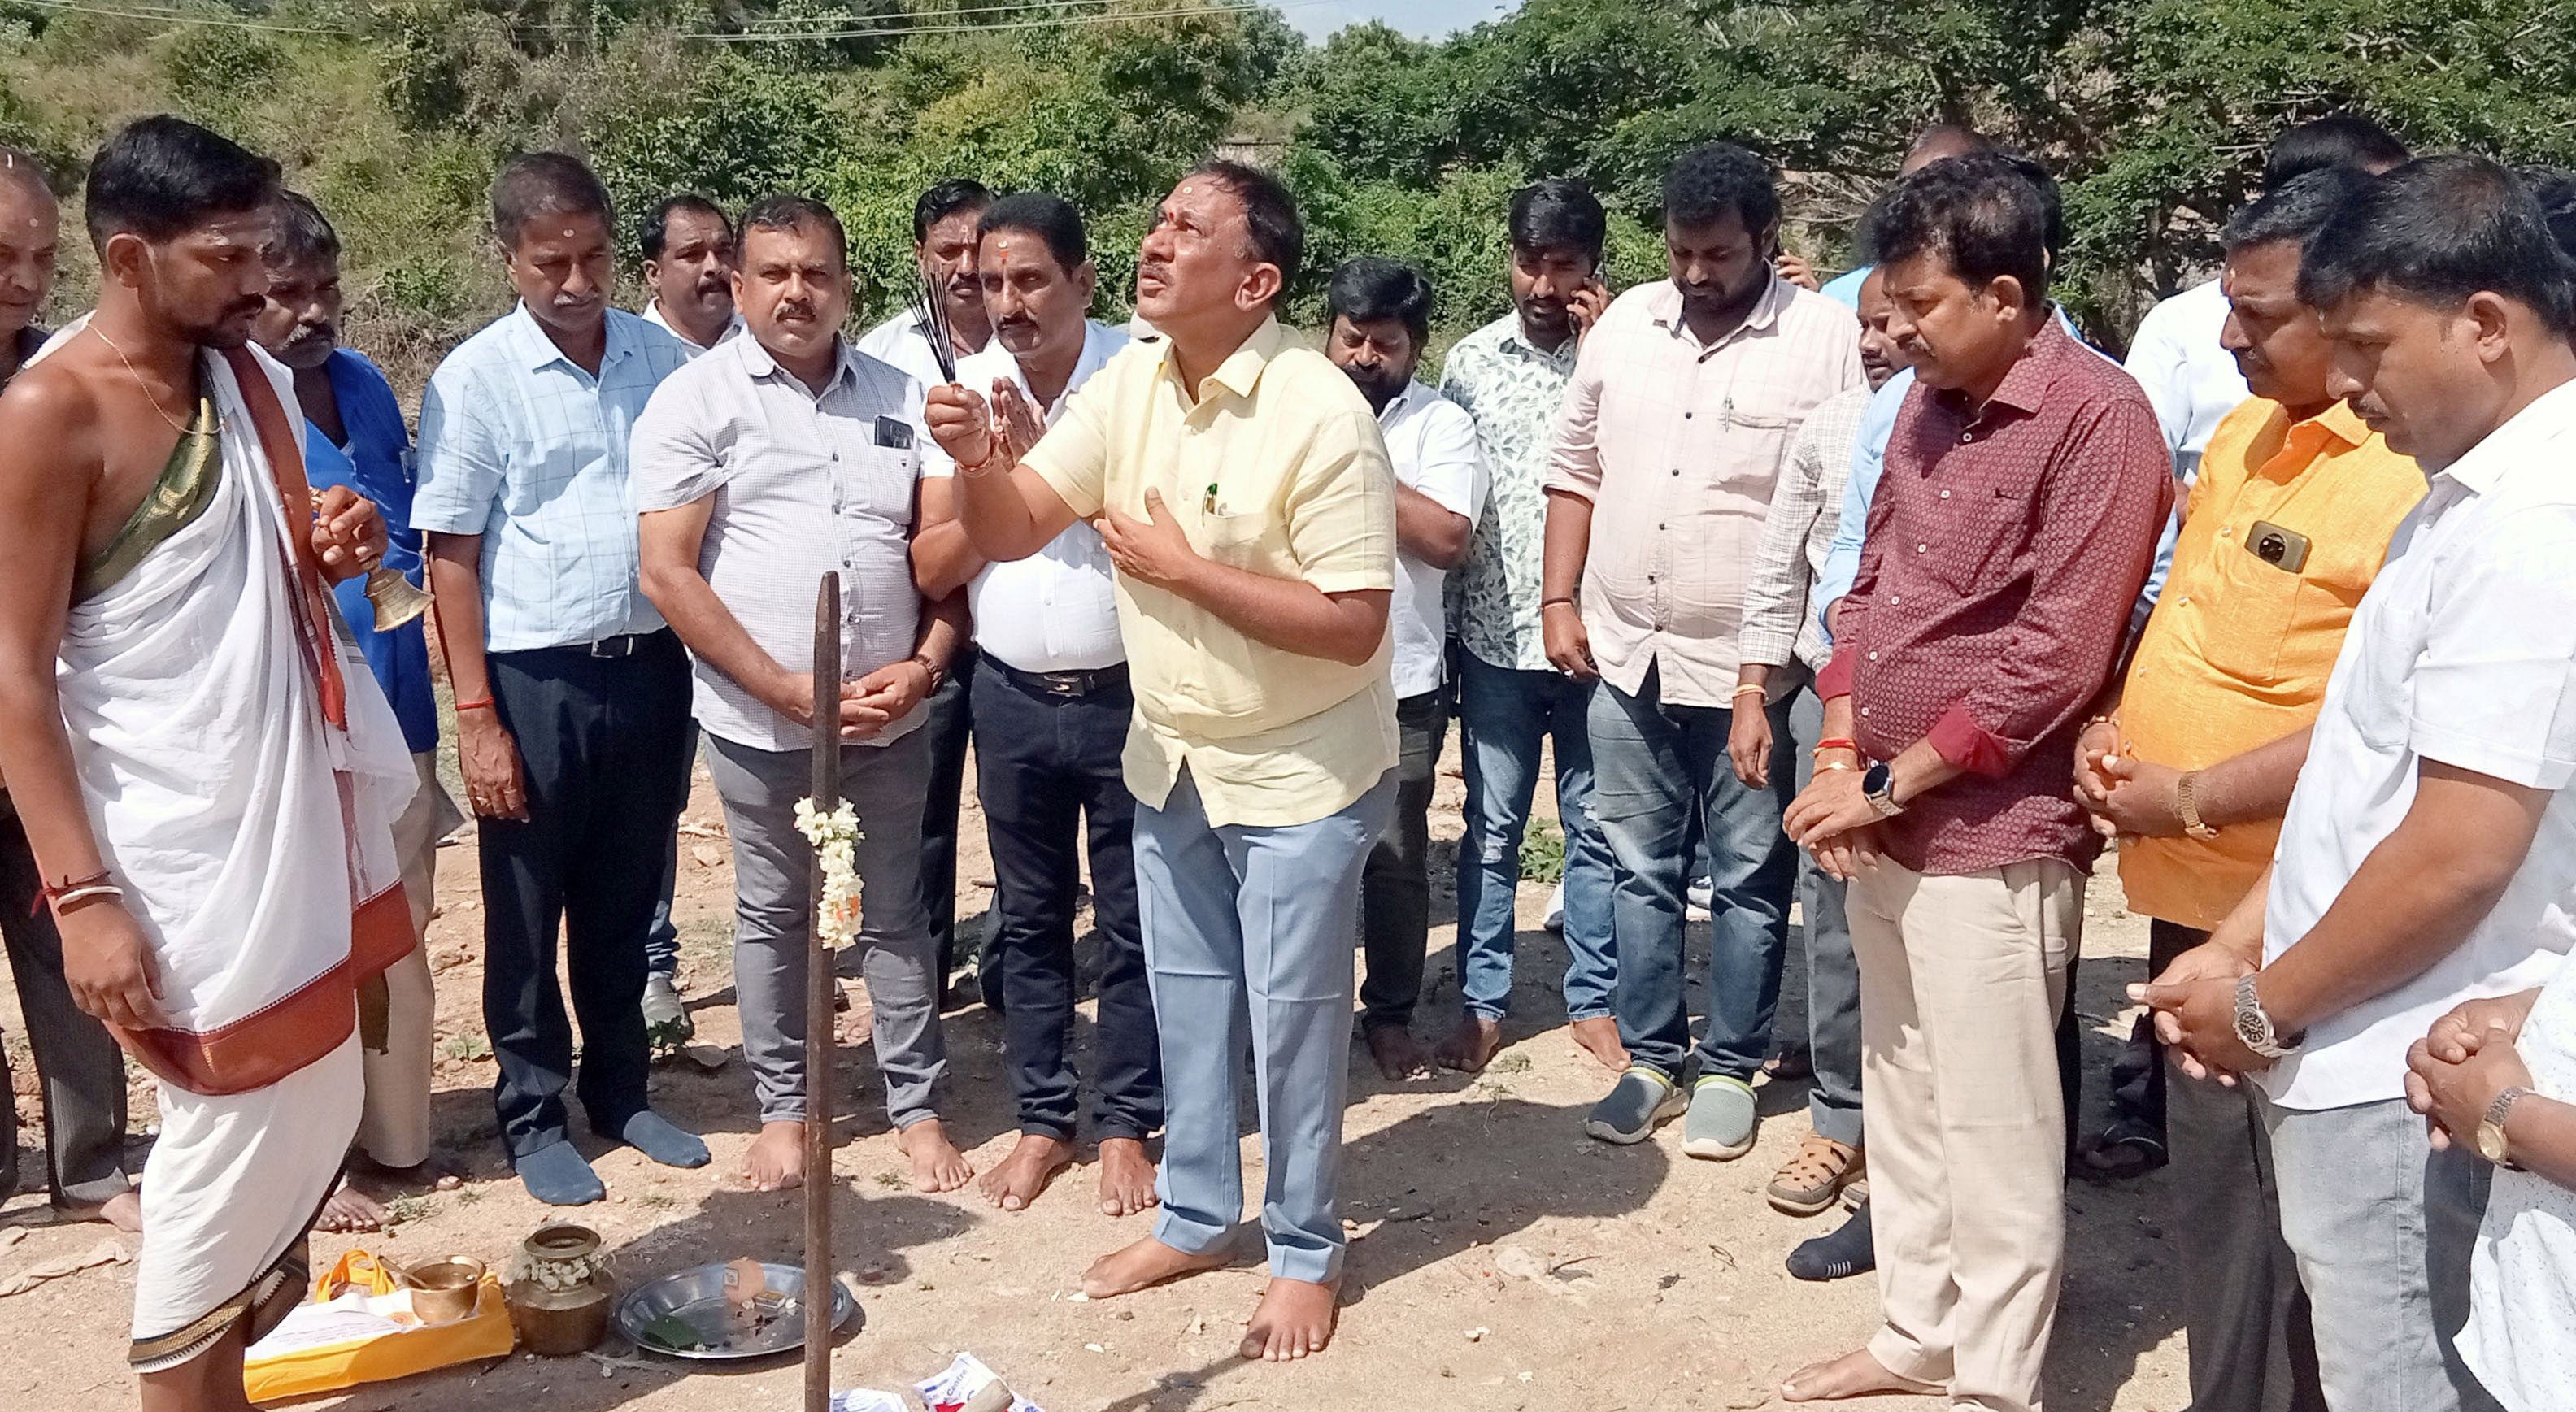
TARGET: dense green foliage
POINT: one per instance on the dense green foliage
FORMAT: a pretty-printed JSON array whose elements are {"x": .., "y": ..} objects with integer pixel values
[{"x": 394, "y": 113}]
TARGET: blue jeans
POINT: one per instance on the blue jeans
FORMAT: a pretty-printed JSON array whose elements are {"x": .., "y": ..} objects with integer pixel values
[
  {"x": 1249, "y": 934},
  {"x": 1653, "y": 767},
  {"x": 1505, "y": 716}
]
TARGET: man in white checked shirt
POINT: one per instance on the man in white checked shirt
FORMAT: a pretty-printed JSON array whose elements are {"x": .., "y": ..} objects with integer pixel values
[
  {"x": 1051, "y": 708},
  {"x": 1781, "y": 637},
  {"x": 772, "y": 460},
  {"x": 1684, "y": 400}
]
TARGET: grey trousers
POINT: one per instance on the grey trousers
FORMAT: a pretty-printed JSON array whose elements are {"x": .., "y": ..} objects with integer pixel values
[
  {"x": 2382, "y": 1226},
  {"x": 1249, "y": 933},
  {"x": 1833, "y": 976},
  {"x": 82, "y": 1070},
  {"x": 774, "y": 910}
]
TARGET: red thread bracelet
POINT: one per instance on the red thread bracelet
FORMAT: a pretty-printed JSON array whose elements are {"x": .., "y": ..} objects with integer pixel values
[
  {"x": 483, "y": 705},
  {"x": 66, "y": 887},
  {"x": 1837, "y": 743}
]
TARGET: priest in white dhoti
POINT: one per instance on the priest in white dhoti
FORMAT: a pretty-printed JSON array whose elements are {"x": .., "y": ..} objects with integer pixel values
[{"x": 206, "y": 769}]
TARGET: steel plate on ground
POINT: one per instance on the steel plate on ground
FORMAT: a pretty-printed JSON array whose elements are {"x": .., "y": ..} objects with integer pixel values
[{"x": 658, "y": 1314}]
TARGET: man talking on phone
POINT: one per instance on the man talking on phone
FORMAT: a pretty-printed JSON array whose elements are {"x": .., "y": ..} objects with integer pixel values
[{"x": 1510, "y": 377}]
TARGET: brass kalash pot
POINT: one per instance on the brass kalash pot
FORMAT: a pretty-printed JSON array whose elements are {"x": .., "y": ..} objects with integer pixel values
[{"x": 560, "y": 1290}]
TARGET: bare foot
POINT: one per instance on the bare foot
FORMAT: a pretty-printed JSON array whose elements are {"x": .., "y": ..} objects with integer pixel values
[
  {"x": 350, "y": 1210},
  {"x": 1472, "y": 1045},
  {"x": 937, "y": 1165},
  {"x": 1855, "y": 1374},
  {"x": 1126, "y": 1178},
  {"x": 1399, "y": 1059},
  {"x": 1143, "y": 1265},
  {"x": 1599, "y": 1037},
  {"x": 1033, "y": 1163},
  {"x": 1294, "y": 1318},
  {"x": 123, "y": 1211},
  {"x": 776, "y": 1161}
]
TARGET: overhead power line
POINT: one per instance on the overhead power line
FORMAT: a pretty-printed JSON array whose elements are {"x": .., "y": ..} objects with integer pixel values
[{"x": 787, "y": 27}]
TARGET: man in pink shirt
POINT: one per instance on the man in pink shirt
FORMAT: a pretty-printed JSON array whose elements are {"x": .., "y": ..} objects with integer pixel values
[{"x": 1684, "y": 402}]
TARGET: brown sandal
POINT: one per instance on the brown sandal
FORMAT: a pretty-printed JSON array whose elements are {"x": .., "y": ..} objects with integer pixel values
[{"x": 1813, "y": 1180}]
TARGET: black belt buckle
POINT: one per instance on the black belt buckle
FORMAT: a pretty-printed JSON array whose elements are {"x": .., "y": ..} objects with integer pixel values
[
  {"x": 623, "y": 646},
  {"x": 1066, "y": 683}
]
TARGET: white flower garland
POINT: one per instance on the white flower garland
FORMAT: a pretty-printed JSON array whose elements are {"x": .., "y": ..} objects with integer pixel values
[{"x": 834, "y": 836}]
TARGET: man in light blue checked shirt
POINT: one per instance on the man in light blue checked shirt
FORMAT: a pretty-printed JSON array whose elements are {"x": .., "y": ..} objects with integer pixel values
[{"x": 572, "y": 697}]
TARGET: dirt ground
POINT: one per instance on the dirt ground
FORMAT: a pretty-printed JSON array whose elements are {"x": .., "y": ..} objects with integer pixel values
[{"x": 1500, "y": 1258}]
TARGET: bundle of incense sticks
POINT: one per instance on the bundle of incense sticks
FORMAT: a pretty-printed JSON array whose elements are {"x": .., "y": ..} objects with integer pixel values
[{"x": 930, "y": 318}]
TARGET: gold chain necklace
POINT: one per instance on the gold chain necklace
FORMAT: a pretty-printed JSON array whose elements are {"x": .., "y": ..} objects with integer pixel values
[{"x": 140, "y": 385}]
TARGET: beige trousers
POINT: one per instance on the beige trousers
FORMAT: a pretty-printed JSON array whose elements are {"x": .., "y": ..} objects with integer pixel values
[
  {"x": 393, "y": 1129},
  {"x": 1960, "y": 983}
]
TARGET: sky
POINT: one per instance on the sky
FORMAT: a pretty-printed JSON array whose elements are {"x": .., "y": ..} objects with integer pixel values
[{"x": 1424, "y": 19}]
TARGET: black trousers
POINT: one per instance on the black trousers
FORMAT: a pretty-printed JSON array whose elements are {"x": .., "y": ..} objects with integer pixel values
[
  {"x": 2245, "y": 1316},
  {"x": 1047, "y": 770},
  {"x": 77, "y": 1061},
  {"x": 948, "y": 727},
  {"x": 604, "y": 743},
  {"x": 1395, "y": 886}
]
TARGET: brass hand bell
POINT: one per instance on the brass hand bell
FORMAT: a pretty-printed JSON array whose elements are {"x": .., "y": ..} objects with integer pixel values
[{"x": 396, "y": 599}]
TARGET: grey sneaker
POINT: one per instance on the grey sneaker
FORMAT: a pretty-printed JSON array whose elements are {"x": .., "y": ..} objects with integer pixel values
[
  {"x": 667, "y": 1026},
  {"x": 1628, "y": 1114},
  {"x": 1721, "y": 1121}
]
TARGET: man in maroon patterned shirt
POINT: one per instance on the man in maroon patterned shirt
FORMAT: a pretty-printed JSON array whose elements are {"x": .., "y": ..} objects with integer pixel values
[{"x": 2025, "y": 486}]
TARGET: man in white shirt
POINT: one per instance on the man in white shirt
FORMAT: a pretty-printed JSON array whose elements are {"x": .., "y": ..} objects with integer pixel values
[
  {"x": 2430, "y": 848},
  {"x": 1051, "y": 714},
  {"x": 944, "y": 241},
  {"x": 1381, "y": 313},
  {"x": 688, "y": 244},
  {"x": 762, "y": 465}
]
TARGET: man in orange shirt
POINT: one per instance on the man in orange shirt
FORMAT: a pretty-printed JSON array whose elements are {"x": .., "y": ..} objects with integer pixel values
[{"x": 2192, "y": 758}]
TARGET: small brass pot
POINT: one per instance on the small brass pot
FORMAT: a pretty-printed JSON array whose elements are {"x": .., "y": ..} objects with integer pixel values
[{"x": 560, "y": 1290}]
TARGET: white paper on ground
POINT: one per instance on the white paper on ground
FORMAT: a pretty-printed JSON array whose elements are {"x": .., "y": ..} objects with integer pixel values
[
  {"x": 964, "y": 1378},
  {"x": 348, "y": 1319}
]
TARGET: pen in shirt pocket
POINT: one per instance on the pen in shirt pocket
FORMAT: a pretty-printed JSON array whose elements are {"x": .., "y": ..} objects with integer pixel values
[{"x": 1207, "y": 504}]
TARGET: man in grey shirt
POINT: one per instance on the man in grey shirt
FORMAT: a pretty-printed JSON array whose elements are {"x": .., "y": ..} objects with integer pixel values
[{"x": 766, "y": 463}]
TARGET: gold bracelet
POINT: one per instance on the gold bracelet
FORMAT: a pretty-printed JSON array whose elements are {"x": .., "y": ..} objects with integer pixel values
[
  {"x": 1749, "y": 689},
  {"x": 2187, "y": 803}
]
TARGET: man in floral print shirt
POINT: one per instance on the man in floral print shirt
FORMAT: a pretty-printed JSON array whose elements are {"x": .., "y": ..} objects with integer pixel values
[{"x": 1510, "y": 375}]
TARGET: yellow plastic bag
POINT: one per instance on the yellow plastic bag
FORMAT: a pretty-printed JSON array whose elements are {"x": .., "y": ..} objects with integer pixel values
[{"x": 359, "y": 1328}]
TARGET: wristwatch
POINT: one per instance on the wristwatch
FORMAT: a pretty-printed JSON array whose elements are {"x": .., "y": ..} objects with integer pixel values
[
  {"x": 2491, "y": 1141},
  {"x": 2255, "y": 1027},
  {"x": 1880, "y": 787},
  {"x": 2187, "y": 803}
]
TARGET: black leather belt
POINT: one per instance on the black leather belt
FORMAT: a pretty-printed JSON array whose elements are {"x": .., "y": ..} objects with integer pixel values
[
  {"x": 624, "y": 646},
  {"x": 1067, "y": 684}
]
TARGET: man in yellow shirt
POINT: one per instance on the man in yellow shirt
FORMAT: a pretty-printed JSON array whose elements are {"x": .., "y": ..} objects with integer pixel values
[
  {"x": 2192, "y": 761},
  {"x": 1241, "y": 486}
]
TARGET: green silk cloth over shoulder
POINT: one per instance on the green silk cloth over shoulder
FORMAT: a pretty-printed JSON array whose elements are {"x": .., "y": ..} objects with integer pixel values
[{"x": 186, "y": 485}]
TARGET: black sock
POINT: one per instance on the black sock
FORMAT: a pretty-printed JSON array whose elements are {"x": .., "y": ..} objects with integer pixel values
[{"x": 1844, "y": 1253}]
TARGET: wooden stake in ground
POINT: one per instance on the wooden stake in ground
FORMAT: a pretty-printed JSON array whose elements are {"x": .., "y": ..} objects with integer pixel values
[{"x": 819, "y": 988}]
